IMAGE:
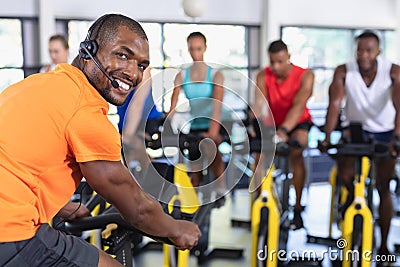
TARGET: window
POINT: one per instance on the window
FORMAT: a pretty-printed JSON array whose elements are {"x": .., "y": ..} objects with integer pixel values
[
  {"x": 226, "y": 48},
  {"x": 77, "y": 31},
  {"x": 11, "y": 50},
  {"x": 321, "y": 50},
  {"x": 389, "y": 45},
  {"x": 154, "y": 34},
  {"x": 225, "y": 44}
]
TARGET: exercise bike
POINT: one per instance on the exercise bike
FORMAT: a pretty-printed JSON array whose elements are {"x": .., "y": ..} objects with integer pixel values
[
  {"x": 183, "y": 200},
  {"x": 358, "y": 222},
  {"x": 122, "y": 241},
  {"x": 270, "y": 211},
  {"x": 117, "y": 236}
]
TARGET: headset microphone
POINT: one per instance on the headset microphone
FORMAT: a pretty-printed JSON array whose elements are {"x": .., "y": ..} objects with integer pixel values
[{"x": 114, "y": 83}]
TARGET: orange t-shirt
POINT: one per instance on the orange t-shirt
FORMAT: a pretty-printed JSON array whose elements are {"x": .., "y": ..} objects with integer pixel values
[
  {"x": 280, "y": 95},
  {"x": 49, "y": 122}
]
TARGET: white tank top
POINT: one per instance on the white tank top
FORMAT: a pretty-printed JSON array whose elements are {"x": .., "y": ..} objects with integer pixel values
[{"x": 372, "y": 106}]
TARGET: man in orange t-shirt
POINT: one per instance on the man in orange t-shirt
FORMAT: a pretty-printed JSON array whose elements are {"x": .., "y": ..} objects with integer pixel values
[
  {"x": 286, "y": 88},
  {"x": 55, "y": 131}
]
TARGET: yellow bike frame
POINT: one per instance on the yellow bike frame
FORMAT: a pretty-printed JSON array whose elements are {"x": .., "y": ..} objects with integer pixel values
[
  {"x": 359, "y": 207},
  {"x": 189, "y": 204},
  {"x": 269, "y": 200}
]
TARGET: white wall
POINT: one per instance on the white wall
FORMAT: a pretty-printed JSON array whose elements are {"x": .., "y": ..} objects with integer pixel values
[
  {"x": 337, "y": 13},
  {"x": 223, "y": 11},
  {"x": 238, "y": 11},
  {"x": 19, "y": 8}
]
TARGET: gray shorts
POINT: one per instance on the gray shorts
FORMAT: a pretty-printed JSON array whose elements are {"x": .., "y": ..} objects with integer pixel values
[{"x": 49, "y": 247}]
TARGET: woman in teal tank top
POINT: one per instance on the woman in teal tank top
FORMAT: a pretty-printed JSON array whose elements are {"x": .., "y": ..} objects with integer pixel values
[{"x": 204, "y": 89}]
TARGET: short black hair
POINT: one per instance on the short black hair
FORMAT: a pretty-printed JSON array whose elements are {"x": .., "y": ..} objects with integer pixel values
[
  {"x": 368, "y": 34},
  {"x": 196, "y": 34},
  {"x": 61, "y": 38},
  {"x": 277, "y": 46},
  {"x": 104, "y": 29}
]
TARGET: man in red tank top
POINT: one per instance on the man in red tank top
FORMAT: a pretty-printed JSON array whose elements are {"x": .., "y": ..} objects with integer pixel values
[{"x": 286, "y": 88}]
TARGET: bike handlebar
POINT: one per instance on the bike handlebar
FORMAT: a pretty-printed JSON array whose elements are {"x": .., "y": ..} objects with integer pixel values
[
  {"x": 371, "y": 149},
  {"x": 265, "y": 140},
  {"x": 111, "y": 215}
]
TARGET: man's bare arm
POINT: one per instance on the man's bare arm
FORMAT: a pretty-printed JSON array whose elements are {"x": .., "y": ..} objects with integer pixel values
[
  {"x": 115, "y": 184},
  {"x": 395, "y": 75},
  {"x": 299, "y": 101},
  {"x": 73, "y": 210},
  {"x": 336, "y": 94}
]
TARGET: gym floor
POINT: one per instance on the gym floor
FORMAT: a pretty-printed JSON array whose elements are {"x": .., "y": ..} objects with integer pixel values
[{"x": 315, "y": 216}]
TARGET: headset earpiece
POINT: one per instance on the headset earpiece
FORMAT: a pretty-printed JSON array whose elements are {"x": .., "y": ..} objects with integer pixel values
[{"x": 91, "y": 46}]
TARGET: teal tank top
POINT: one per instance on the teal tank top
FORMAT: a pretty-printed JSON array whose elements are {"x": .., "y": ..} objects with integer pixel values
[{"x": 200, "y": 95}]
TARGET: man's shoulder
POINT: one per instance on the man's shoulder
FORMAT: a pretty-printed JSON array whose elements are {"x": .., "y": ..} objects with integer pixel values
[
  {"x": 395, "y": 70},
  {"x": 342, "y": 68},
  {"x": 261, "y": 72},
  {"x": 298, "y": 72},
  {"x": 266, "y": 71},
  {"x": 395, "y": 66},
  {"x": 54, "y": 85}
]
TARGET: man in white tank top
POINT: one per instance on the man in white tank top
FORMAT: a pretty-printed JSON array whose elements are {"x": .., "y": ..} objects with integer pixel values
[{"x": 370, "y": 90}]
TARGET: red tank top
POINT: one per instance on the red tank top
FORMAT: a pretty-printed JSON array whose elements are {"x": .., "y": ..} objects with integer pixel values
[{"x": 281, "y": 95}]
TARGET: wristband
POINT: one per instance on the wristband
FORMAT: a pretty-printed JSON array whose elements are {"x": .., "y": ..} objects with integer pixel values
[{"x": 284, "y": 129}]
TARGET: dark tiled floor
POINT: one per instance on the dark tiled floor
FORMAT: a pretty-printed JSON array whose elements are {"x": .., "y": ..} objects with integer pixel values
[{"x": 316, "y": 217}]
